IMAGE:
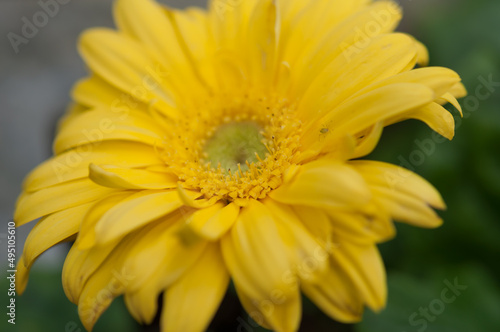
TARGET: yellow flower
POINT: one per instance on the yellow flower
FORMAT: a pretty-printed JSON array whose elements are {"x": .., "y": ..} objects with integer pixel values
[{"x": 224, "y": 144}]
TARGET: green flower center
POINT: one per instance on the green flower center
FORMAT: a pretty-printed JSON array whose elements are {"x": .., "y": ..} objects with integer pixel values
[{"x": 234, "y": 144}]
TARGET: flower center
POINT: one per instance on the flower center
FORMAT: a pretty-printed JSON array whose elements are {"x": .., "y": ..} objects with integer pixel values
[{"x": 235, "y": 146}]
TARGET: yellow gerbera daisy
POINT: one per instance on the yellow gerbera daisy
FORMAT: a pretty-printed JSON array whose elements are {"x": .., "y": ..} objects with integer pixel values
[{"x": 215, "y": 145}]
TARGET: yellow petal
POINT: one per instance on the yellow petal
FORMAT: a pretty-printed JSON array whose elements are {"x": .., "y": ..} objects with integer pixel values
[
  {"x": 142, "y": 295},
  {"x": 128, "y": 66},
  {"x": 318, "y": 224},
  {"x": 48, "y": 232},
  {"x": 382, "y": 57},
  {"x": 277, "y": 312},
  {"x": 74, "y": 164},
  {"x": 398, "y": 179},
  {"x": 366, "y": 110},
  {"x": 189, "y": 198},
  {"x": 95, "y": 92},
  {"x": 255, "y": 254},
  {"x": 323, "y": 184},
  {"x": 369, "y": 141},
  {"x": 155, "y": 27},
  {"x": 87, "y": 234},
  {"x": 336, "y": 295},
  {"x": 22, "y": 276},
  {"x": 262, "y": 39},
  {"x": 439, "y": 79},
  {"x": 338, "y": 39},
  {"x": 407, "y": 208},
  {"x": 192, "y": 296},
  {"x": 192, "y": 25},
  {"x": 143, "y": 304},
  {"x": 363, "y": 264},
  {"x": 134, "y": 212},
  {"x": 435, "y": 116},
  {"x": 129, "y": 178},
  {"x": 146, "y": 21},
  {"x": 162, "y": 248},
  {"x": 34, "y": 205},
  {"x": 53, "y": 229},
  {"x": 458, "y": 90},
  {"x": 422, "y": 54},
  {"x": 160, "y": 258},
  {"x": 107, "y": 282},
  {"x": 403, "y": 194},
  {"x": 100, "y": 125},
  {"x": 307, "y": 254},
  {"x": 79, "y": 266},
  {"x": 362, "y": 228},
  {"x": 213, "y": 222},
  {"x": 450, "y": 98}
]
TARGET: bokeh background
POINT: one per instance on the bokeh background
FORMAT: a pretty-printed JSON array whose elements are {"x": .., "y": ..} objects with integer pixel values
[{"x": 464, "y": 35}]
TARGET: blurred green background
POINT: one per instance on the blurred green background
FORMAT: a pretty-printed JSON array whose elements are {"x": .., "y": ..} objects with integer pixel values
[{"x": 462, "y": 34}]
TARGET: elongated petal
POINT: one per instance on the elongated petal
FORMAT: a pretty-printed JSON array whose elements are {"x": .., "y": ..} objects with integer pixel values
[
  {"x": 161, "y": 250},
  {"x": 383, "y": 57},
  {"x": 318, "y": 223},
  {"x": 262, "y": 42},
  {"x": 53, "y": 229},
  {"x": 369, "y": 142},
  {"x": 80, "y": 265},
  {"x": 338, "y": 40},
  {"x": 362, "y": 227},
  {"x": 277, "y": 312},
  {"x": 146, "y": 21},
  {"x": 87, "y": 233},
  {"x": 398, "y": 179},
  {"x": 364, "y": 111},
  {"x": 160, "y": 257},
  {"x": 31, "y": 206},
  {"x": 213, "y": 222},
  {"x": 407, "y": 208},
  {"x": 364, "y": 266},
  {"x": 255, "y": 254},
  {"x": 336, "y": 294},
  {"x": 49, "y": 231},
  {"x": 196, "y": 296},
  {"x": 143, "y": 304},
  {"x": 323, "y": 184},
  {"x": 97, "y": 126},
  {"x": 95, "y": 92},
  {"x": 450, "y": 98},
  {"x": 192, "y": 26},
  {"x": 435, "y": 116},
  {"x": 156, "y": 28},
  {"x": 307, "y": 255},
  {"x": 106, "y": 283},
  {"x": 127, "y": 65},
  {"x": 129, "y": 178},
  {"x": 439, "y": 79},
  {"x": 134, "y": 212},
  {"x": 74, "y": 164}
]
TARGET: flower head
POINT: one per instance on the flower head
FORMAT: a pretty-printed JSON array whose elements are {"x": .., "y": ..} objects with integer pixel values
[{"x": 224, "y": 144}]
